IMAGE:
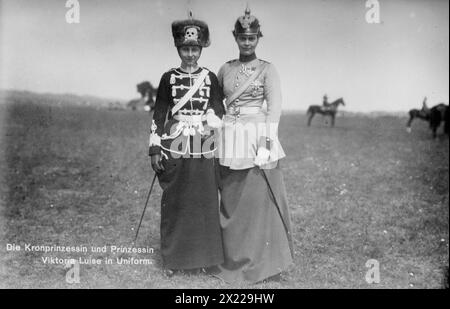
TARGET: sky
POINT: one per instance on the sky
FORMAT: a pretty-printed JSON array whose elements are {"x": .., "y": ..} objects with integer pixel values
[{"x": 318, "y": 46}]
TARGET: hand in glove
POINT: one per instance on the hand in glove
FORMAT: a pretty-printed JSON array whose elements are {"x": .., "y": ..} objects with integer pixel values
[
  {"x": 262, "y": 156},
  {"x": 212, "y": 120}
]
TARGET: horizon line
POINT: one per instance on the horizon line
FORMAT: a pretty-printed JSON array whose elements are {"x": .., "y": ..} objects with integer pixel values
[{"x": 115, "y": 100}]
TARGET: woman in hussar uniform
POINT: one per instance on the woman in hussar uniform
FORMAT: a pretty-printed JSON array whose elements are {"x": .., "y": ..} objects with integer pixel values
[
  {"x": 254, "y": 213},
  {"x": 181, "y": 150}
]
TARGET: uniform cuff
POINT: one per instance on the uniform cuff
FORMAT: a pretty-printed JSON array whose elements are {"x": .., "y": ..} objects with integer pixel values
[{"x": 153, "y": 150}]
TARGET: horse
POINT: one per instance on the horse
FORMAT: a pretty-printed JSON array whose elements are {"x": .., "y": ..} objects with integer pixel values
[
  {"x": 147, "y": 102},
  {"x": 438, "y": 114},
  {"x": 331, "y": 110},
  {"x": 417, "y": 113}
]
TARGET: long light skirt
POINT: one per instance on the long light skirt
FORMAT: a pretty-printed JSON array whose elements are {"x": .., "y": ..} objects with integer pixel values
[{"x": 256, "y": 233}]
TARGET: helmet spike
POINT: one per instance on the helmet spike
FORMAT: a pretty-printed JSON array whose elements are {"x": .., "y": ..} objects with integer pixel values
[
  {"x": 247, "y": 24},
  {"x": 247, "y": 10}
]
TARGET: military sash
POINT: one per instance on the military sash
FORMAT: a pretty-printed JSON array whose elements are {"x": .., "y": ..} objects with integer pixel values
[
  {"x": 237, "y": 93},
  {"x": 191, "y": 91}
]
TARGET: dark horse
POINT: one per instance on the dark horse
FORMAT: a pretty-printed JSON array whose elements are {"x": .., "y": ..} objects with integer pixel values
[
  {"x": 438, "y": 114},
  {"x": 330, "y": 110},
  {"x": 417, "y": 113},
  {"x": 146, "y": 101}
]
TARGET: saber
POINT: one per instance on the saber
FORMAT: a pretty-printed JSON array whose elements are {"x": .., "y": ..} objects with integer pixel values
[
  {"x": 145, "y": 207},
  {"x": 288, "y": 234}
]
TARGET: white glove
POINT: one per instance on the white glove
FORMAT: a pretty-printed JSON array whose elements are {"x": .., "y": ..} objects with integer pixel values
[
  {"x": 212, "y": 120},
  {"x": 262, "y": 156}
]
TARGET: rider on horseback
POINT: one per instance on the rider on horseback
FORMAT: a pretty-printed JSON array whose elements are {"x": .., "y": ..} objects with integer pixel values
[
  {"x": 325, "y": 103},
  {"x": 425, "y": 111},
  {"x": 326, "y": 109},
  {"x": 425, "y": 108}
]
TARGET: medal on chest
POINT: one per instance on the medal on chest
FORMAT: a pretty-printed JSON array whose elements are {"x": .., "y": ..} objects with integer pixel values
[
  {"x": 247, "y": 71},
  {"x": 256, "y": 87}
]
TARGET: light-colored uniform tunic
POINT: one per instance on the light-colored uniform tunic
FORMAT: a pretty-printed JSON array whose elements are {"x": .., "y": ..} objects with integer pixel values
[{"x": 247, "y": 123}]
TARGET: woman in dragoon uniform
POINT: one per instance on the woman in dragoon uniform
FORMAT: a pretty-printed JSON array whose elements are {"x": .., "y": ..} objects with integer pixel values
[
  {"x": 188, "y": 108},
  {"x": 254, "y": 213}
]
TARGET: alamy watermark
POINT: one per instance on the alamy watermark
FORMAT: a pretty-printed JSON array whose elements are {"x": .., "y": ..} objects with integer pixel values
[
  {"x": 73, "y": 274},
  {"x": 373, "y": 12},
  {"x": 373, "y": 274},
  {"x": 73, "y": 14},
  {"x": 186, "y": 139}
]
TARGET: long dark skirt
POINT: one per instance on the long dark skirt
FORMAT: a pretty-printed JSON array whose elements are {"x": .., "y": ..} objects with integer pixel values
[
  {"x": 190, "y": 228},
  {"x": 256, "y": 234}
]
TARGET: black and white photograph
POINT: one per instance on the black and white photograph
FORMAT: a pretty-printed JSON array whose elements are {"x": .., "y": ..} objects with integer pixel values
[{"x": 225, "y": 146}]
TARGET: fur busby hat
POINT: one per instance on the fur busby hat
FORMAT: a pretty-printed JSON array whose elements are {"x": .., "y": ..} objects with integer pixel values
[
  {"x": 190, "y": 32},
  {"x": 247, "y": 25}
]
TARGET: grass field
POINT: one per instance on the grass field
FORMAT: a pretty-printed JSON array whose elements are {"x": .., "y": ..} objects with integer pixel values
[{"x": 363, "y": 190}]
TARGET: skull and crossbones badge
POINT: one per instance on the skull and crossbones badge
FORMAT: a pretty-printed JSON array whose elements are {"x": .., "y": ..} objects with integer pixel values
[{"x": 191, "y": 33}]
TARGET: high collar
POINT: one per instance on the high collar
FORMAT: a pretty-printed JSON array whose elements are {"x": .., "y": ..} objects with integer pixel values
[
  {"x": 186, "y": 72},
  {"x": 247, "y": 58}
]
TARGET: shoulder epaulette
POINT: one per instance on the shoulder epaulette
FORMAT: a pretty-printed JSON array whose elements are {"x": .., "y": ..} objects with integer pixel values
[
  {"x": 264, "y": 61},
  {"x": 231, "y": 61}
]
